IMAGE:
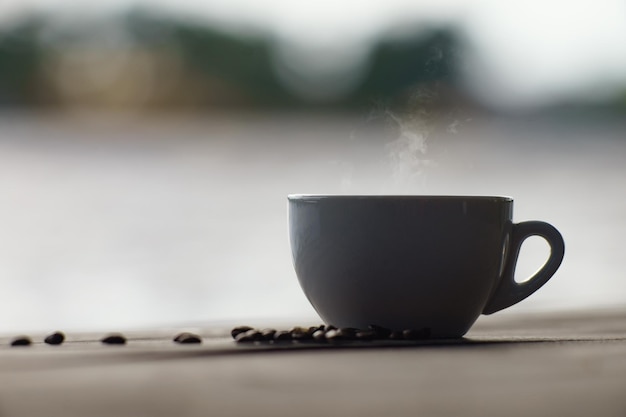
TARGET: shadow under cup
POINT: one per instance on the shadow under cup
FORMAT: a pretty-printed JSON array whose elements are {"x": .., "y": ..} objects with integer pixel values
[{"x": 432, "y": 263}]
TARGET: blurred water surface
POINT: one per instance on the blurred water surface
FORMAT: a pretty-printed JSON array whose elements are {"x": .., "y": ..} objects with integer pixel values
[{"x": 114, "y": 222}]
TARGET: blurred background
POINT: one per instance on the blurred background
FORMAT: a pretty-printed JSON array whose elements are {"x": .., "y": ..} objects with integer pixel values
[{"x": 147, "y": 147}]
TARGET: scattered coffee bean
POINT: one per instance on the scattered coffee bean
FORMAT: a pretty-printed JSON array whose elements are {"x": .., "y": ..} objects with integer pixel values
[
  {"x": 319, "y": 335},
  {"x": 114, "y": 339},
  {"x": 327, "y": 333},
  {"x": 313, "y": 329},
  {"x": 381, "y": 332},
  {"x": 334, "y": 335},
  {"x": 251, "y": 335},
  {"x": 366, "y": 335},
  {"x": 348, "y": 333},
  {"x": 268, "y": 334},
  {"x": 344, "y": 333},
  {"x": 301, "y": 333},
  {"x": 412, "y": 334},
  {"x": 187, "y": 338},
  {"x": 282, "y": 336},
  {"x": 55, "y": 338},
  {"x": 299, "y": 329},
  {"x": 238, "y": 330},
  {"x": 21, "y": 341},
  {"x": 396, "y": 335}
]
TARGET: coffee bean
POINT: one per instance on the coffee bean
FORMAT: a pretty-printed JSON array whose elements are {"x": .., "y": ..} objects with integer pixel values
[
  {"x": 365, "y": 335},
  {"x": 348, "y": 333},
  {"x": 409, "y": 334},
  {"x": 55, "y": 338},
  {"x": 249, "y": 336},
  {"x": 237, "y": 330},
  {"x": 243, "y": 338},
  {"x": 396, "y": 335},
  {"x": 334, "y": 335},
  {"x": 412, "y": 334},
  {"x": 319, "y": 335},
  {"x": 179, "y": 336},
  {"x": 381, "y": 332},
  {"x": 313, "y": 329},
  {"x": 298, "y": 334},
  {"x": 187, "y": 338},
  {"x": 21, "y": 341},
  {"x": 299, "y": 329},
  {"x": 268, "y": 334},
  {"x": 114, "y": 339},
  {"x": 282, "y": 336},
  {"x": 324, "y": 333}
]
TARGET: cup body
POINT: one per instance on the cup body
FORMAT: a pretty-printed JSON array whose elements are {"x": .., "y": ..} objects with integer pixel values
[{"x": 401, "y": 262}]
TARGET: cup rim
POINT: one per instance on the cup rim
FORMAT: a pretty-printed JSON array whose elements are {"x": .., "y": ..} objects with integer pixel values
[{"x": 433, "y": 197}]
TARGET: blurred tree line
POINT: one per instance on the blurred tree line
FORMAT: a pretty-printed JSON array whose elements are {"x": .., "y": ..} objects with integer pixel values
[{"x": 141, "y": 61}]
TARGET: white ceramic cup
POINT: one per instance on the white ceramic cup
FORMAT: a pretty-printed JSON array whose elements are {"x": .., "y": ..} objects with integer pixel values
[{"x": 432, "y": 263}]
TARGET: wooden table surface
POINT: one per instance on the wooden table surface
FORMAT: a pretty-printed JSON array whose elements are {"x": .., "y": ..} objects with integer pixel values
[{"x": 550, "y": 364}]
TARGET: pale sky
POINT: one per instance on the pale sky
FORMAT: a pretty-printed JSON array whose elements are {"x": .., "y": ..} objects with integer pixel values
[{"x": 526, "y": 52}]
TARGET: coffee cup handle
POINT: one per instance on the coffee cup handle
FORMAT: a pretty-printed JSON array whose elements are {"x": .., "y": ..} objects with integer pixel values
[{"x": 509, "y": 291}]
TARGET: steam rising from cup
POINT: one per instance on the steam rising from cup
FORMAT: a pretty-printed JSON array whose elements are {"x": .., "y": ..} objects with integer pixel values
[{"x": 407, "y": 153}]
